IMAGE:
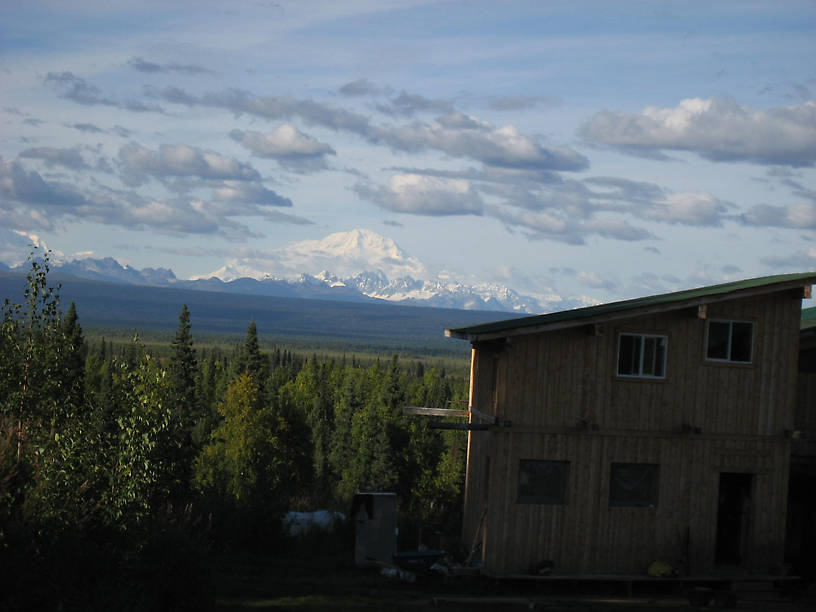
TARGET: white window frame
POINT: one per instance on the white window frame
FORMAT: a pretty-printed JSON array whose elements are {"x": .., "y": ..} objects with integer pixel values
[
  {"x": 642, "y": 338},
  {"x": 730, "y": 323}
]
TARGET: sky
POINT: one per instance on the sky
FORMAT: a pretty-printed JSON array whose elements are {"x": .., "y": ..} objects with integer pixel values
[{"x": 601, "y": 150}]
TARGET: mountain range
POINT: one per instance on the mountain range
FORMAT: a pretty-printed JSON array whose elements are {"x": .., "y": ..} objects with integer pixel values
[{"x": 365, "y": 266}]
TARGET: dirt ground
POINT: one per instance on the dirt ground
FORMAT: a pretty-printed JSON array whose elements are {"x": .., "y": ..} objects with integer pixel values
[{"x": 311, "y": 583}]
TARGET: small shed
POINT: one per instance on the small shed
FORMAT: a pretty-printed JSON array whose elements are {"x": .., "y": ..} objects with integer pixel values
[{"x": 375, "y": 521}]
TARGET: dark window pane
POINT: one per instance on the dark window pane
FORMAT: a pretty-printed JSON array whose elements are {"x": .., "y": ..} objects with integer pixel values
[
  {"x": 741, "y": 340},
  {"x": 633, "y": 484},
  {"x": 660, "y": 358},
  {"x": 718, "y": 332},
  {"x": 542, "y": 482},
  {"x": 641, "y": 355},
  {"x": 649, "y": 348},
  {"x": 629, "y": 355}
]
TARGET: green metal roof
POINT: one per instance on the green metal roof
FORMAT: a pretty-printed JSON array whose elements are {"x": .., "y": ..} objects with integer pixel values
[{"x": 578, "y": 316}]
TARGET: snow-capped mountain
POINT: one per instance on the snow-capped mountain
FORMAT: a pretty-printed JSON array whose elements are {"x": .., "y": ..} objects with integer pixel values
[
  {"x": 109, "y": 269},
  {"x": 343, "y": 254},
  {"x": 359, "y": 265}
]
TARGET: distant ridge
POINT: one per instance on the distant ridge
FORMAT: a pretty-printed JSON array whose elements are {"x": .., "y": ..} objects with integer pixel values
[
  {"x": 385, "y": 326},
  {"x": 355, "y": 266}
]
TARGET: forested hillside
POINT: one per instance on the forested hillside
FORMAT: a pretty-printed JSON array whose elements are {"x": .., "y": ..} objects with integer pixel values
[{"x": 108, "y": 461}]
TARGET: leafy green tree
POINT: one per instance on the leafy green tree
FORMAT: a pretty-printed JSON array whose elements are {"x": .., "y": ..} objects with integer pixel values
[
  {"x": 245, "y": 460},
  {"x": 141, "y": 450}
]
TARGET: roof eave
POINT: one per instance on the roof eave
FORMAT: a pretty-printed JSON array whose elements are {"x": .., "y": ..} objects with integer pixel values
[{"x": 590, "y": 319}]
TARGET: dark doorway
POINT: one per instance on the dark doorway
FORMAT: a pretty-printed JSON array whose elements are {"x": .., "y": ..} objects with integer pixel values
[{"x": 733, "y": 517}]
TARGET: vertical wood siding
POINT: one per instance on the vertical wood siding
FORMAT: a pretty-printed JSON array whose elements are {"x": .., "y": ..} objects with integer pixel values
[{"x": 561, "y": 393}]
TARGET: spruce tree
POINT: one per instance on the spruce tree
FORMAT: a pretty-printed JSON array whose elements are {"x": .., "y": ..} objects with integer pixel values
[
  {"x": 250, "y": 359},
  {"x": 182, "y": 368},
  {"x": 181, "y": 371},
  {"x": 74, "y": 358}
]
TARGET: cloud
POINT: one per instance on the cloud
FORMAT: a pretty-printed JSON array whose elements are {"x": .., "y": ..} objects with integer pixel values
[
  {"x": 287, "y": 145},
  {"x": 33, "y": 122},
  {"x": 80, "y": 91},
  {"x": 183, "y": 160},
  {"x": 797, "y": 216},
  {"x": 142, "y": 65},
  {"x": 617, "y": 229},
  {"x": 501, "y": 147},
  {"x": 231, "y": 191},
  {"x": 650, "y": 201},
  {"x": 16, "y": 246},
  {"x": 88, "y": 128},
  {"x": 799, "y": 261},
  {"x": 687, "y": 209},
  {"x": 510, "y": 103},
  {"x": 424, "y": 195},
  {"x": 17, "y": 184},
  {"x": 68, "y": 157},
  {"x": 362, "y": 87},
  {"x": 718, "y": 129},
  {"x": 538, "y": 225},
  {"x": 407, "y": 105},
  {"x": 554, "y": 208},
  {"x": 27, "y": 201},
  {"x": 456, "y": 135},
  {"x": 592, "y": 279}
]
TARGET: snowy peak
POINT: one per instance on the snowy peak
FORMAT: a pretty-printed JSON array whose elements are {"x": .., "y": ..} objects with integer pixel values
[
  {"x": 342, "y": 254},
  {"x": 359, "y": 265},
  {"x": 109, "y": 269}
]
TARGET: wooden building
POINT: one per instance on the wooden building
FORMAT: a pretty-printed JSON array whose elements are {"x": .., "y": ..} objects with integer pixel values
[
  {"x": 801, "y": 537},
  {"x": 651, "y": 429}
]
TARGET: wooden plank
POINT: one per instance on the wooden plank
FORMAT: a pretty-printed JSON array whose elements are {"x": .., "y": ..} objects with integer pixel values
[{"x": 443, "y": 412}]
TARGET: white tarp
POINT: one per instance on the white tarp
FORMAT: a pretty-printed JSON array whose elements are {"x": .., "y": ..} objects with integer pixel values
[{"x": 297, "y": 523}]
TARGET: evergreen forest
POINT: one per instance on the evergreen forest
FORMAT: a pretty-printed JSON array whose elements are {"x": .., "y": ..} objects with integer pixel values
[{"x": 121, "y": 470}]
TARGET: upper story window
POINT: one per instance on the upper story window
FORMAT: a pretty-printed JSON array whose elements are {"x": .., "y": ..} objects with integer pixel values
[
  {"x": 730, "y": 341},
  {"x": 642, "y": 355}
]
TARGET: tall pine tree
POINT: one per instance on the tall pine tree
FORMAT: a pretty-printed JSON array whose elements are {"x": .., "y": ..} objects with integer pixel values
[
  {"x": 249, "y": 358},
  {"x": 74, "y": 357},
  {"x": 181, "y": 372}
]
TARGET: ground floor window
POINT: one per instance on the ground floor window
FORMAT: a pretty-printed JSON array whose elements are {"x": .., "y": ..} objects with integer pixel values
[
  {"x": 542, "y": 482},
  {"x": 634, "y": 484}
]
